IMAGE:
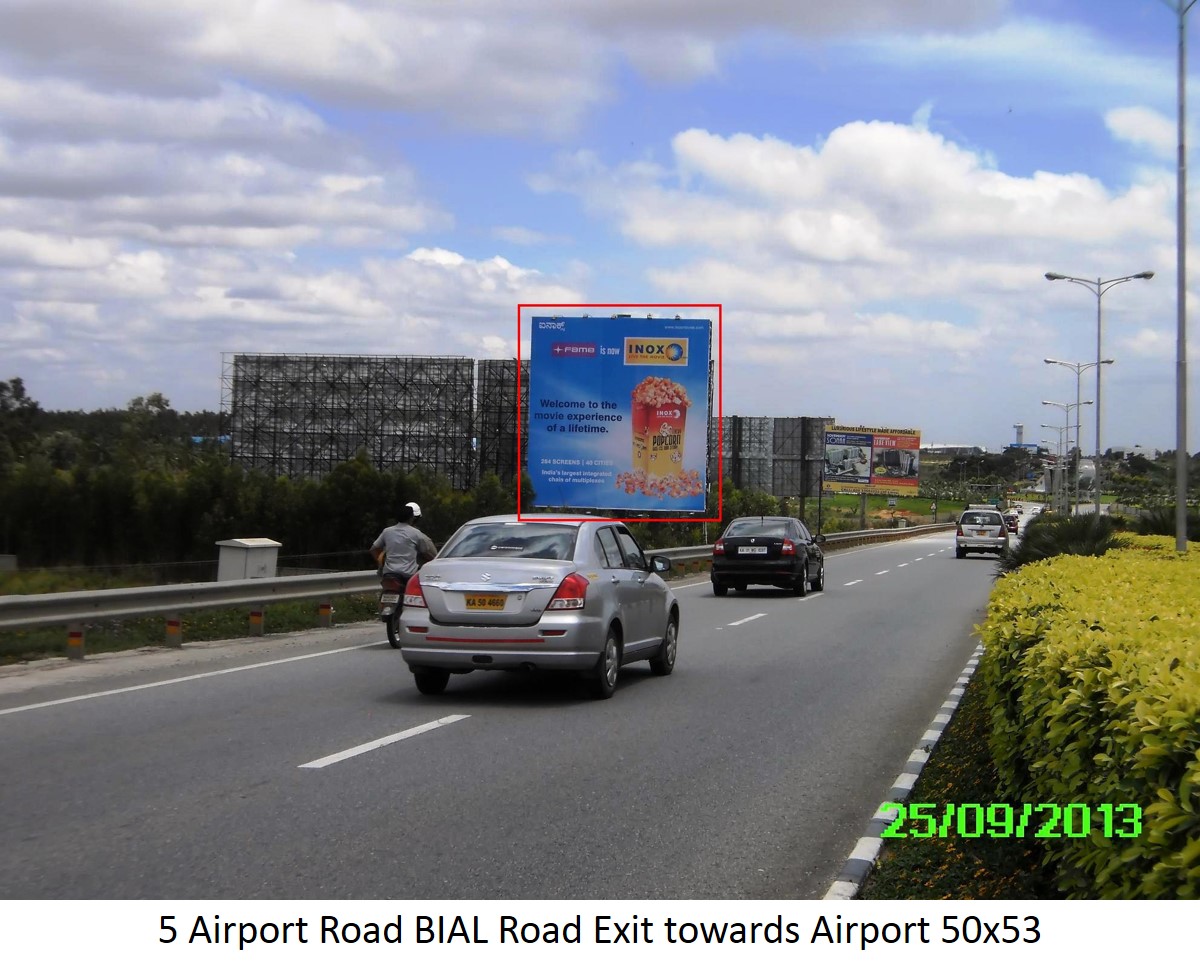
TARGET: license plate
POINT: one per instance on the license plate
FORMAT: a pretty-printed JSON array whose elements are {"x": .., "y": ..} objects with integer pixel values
[
  {"x": 981, "y": 534},
  {"x": 755, "y": 550},
  {"x": 484, "y": 600},
  {"x": 389, "y": 598}
]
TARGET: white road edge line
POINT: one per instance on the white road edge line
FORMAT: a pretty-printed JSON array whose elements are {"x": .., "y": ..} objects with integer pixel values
[
  {"x": 747, "y": 619},
  {"x": 180, "y": 680},
  {"x": 379, "y": 743}
]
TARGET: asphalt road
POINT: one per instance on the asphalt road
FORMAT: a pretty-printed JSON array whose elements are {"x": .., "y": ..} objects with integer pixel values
[{"x": 748, "y": 773}]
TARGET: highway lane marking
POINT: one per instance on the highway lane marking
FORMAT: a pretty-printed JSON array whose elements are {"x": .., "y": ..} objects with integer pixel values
[
  {"x": 884, "y": 572},
  {"x": 379, "y": 743},
  {"x": 855, "y": 582},
  {"x": 180, "y": 680},
  {"x": 904, "y": 564},
  {"x": 747, "y": 619}
]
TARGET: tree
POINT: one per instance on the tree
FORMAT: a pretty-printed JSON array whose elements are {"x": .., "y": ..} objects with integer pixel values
[{"x": 18, "y": 416}]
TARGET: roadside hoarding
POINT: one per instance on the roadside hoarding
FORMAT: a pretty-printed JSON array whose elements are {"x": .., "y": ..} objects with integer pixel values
[
  {"x": 861, "y": 459},
  {"x": 618, "y": 412}
]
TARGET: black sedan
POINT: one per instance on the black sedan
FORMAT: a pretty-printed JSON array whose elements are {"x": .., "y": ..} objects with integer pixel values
[{"x": 777, "y": 551}]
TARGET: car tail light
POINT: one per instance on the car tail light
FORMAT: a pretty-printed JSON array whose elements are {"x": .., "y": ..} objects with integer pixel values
[
  {"x": 958, "y": 532},
  {"x": 413, "y": 596},
  {"x": 719, "y": 547},
  {"x": 570, "y": 594},
  {"x": 789, "y": 547}
]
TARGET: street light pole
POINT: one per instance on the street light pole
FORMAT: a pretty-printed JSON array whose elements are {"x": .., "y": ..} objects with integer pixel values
[
  {"x": 1099, "y": 287},
  {"x": 1078, "y": 368},
  {"x": 1066, "y": 407},
  {"x": 1060, "y": 494},
  {"x": 1181, "y": 454}
]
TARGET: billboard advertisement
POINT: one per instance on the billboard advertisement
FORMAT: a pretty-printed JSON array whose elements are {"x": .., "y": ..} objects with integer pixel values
[
  {"x": 618, "y": 412},
  {"x": 859, "y": 459}
]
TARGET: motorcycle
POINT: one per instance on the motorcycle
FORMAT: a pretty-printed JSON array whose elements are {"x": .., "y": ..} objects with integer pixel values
[{"x": 391, "y": 602}]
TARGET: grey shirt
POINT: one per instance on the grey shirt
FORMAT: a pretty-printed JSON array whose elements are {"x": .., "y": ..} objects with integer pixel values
[{"x": 402, "y": 543}]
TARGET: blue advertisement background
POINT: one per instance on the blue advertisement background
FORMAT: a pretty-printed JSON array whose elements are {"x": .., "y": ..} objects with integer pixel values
[{"x": 579, "y": 384}]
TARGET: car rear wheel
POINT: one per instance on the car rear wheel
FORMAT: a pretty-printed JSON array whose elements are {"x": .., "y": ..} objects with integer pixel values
[
  {"x": 663, "y": 662},
  {"x": 720, "y": 588},
  {"x": 393, "y": 629},
  {"x": 431, "y": 680},
  {"x": 603, "y": 677},
  {"x": 800, "y": 588},
  {"x": 819, "y": 584}
]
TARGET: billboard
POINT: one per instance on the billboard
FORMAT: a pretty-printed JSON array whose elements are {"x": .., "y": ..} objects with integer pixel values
[
  {"x": 618, "y": 412},
  {"x": 865, "y": 460}
]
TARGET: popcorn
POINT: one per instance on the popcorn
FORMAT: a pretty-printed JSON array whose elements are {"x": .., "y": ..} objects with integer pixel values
[
  {"x": 687, "y": 483},
  {"x": 657, "y": 392}
]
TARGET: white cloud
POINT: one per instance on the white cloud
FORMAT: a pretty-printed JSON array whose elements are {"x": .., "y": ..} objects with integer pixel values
[
  {"x": 1144, "y": 127},
  {"x": 517, "y": 65}
]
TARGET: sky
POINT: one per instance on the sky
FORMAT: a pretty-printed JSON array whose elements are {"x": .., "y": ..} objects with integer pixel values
[{"x": 872, "y": 191}]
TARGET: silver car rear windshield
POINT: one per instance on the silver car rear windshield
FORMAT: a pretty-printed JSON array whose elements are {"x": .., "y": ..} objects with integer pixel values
[{"x": 545, "y": 541}]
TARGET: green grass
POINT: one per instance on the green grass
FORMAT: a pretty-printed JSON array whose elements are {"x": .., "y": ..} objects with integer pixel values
[{"x": 959, "y": 770}]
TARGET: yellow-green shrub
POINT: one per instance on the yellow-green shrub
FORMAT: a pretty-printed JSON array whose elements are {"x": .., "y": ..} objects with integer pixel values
[{"x": 1093, "y": 673}]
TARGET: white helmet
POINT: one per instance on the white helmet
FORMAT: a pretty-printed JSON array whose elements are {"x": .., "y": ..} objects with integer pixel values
[{"x": 415, "y": 508}]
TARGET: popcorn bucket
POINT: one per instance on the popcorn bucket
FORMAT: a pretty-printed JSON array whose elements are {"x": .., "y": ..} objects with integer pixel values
[{"x": 659, "y": 412}]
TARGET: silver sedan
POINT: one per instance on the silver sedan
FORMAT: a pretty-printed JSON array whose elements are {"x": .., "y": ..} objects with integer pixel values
[{"x": 554, "y": 593}]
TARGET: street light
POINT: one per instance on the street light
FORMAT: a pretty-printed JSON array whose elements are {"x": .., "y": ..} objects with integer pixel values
[
  {"x": 1099, "y": 287},
  {"x": 1066, "y": 407},
  {"x": 1180, "y": 8},
  {"x": 1078, "y": 368},
  {"x": 1059, "y": 489}
]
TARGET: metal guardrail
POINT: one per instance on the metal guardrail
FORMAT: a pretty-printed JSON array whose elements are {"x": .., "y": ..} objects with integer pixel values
[{"x": 72, "y": 608}]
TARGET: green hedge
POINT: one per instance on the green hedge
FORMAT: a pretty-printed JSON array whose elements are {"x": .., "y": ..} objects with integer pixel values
[{"x": 1092, "y": 669}]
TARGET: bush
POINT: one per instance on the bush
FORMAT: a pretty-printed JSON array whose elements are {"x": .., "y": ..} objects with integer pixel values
[
  {"x": 1048, "y": 535},
  {"x": 1093, "y": 679},
  {"x": 1161, "y": 521}
]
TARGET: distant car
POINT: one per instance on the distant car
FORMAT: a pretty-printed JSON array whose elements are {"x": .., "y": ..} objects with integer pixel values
[
  {"x": 980, "y": 530},
  {"x": 778, "y": 551},
  {"x": 558, "y": 593},
  {"x": 1011, "y": 521}
]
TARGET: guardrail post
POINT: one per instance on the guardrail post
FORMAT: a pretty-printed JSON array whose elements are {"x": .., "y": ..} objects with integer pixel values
[
  {"x": 256, "y": 622},
  {"x": 325, "y": 614},
  {"x": 75, "y": 641},
  {"x": 174, "y": 636}
]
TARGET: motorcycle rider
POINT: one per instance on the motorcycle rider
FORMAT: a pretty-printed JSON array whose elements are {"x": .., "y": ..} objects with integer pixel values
[{"x": 401, "y": 549}]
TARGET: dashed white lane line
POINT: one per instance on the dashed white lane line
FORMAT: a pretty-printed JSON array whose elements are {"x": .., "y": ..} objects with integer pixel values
[
  {"x": 884, "y": 572},
  {"x": 747, "y": 619},
  {"x": 903, "y": 564},
  {"x": 379, "y": 743},
  {"x": 181, "y": 680},
  {"x": 855, "y": 582}
]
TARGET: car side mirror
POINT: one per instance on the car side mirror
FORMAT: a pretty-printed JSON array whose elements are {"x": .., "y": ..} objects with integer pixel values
[
  {"x": 660, "y": 564},
  {"x": 819, "y": 538}
]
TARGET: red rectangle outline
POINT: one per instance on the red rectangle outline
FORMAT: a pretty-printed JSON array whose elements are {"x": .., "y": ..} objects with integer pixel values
[{"x": 719, "y": 519}]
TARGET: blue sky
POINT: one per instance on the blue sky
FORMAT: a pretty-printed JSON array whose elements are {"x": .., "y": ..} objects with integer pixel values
[{"x": 872, "y": 190}]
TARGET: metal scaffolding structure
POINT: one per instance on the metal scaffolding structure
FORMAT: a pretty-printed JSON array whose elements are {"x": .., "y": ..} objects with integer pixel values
[
  {"x": 496, "y": 416},
  {"x": 303, "y": 414},
  {"x": 779, "y": 456}
]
